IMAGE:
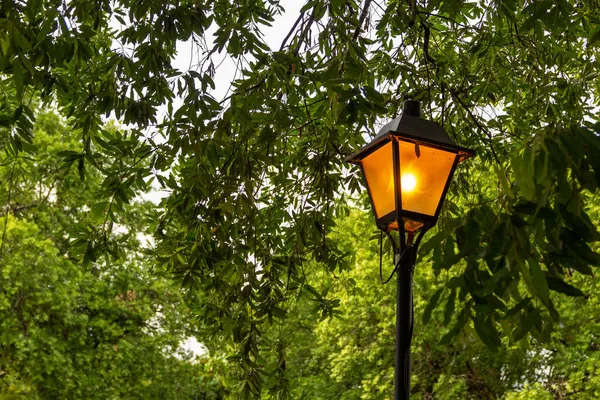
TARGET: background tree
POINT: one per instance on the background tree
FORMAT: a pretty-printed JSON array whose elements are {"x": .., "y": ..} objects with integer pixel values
[
  {"x": 107, "y": 329},
  {"x": 257, "y": 179},
  {"x": 351, "y": 356}
]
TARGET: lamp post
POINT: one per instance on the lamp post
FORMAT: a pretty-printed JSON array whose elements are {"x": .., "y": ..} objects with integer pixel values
[{"x": 407, "y": 168}]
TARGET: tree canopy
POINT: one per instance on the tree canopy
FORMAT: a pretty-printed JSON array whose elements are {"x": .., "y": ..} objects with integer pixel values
[
  {"x": 352, "y": 356},
  {"x": 257, "y": 181},
  {"x": 111, "y": 329}
]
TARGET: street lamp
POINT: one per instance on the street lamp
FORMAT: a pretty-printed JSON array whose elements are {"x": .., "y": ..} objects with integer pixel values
[{"x": 408, "y": 167}]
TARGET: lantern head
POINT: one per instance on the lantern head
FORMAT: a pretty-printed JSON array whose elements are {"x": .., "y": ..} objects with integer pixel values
[{"x": 408, "y": 167}]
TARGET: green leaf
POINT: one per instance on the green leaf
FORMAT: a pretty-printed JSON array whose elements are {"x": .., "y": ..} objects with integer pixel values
[
  {"x": 595, "y": 38},
  {"x": 525, "y": 207},
  {"x": 98, "y": 210},
  {"x": 468, "y": 235},
  {"x": 518, "y": 307},
  {"x": 523, "y": 168},
  {"x": 449, "y": 310},
  {"x": 558, "y": 285},
  {"x": 522, "y": 238},
  {"x": 484, "y": 326},
  {"x": 506, "y": 188},
  {"x": 81, "y": 169},
  {"x": 455, "y": 282},
  {"x": 431, "y": 305},
  {"x": 20, "y": 40},
  {"x": 446, "y": 230},
  {"x": 527, "y": 277},
  {"x": 278, "y": 312},
  {"x": 580, "y": 224},
  {"x": 284, "y": 58},
  {"x": 539, "y": 280},
  {"x": 578, "y": 249},
  {"x": 313, "y": 291},
  {"x": 451, "y": 334},
  {"x": 450, "y": 258},
  {"x": 18, "y": 78},
  {"x": 523, "y": 327},
  {"x": 67, "y": 153},
  {"x": 557, "y": 155},
  {"x": 310, "y": 4},
  {"x": 27, "y": 64}
]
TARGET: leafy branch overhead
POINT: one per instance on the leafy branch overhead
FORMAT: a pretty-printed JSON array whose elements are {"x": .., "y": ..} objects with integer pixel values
[{"x": 256, "y": 179}]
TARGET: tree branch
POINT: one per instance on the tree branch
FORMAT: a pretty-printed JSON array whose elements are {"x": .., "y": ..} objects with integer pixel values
[
  {"x": 361, "y": 20},
  {"x": 302, "y": 38},
  {"x": 427, "y": 34},
  {"x": 291, "y": 31},
  {"x": 10, "y": 187},
  {"x": 475, "y": 121}
]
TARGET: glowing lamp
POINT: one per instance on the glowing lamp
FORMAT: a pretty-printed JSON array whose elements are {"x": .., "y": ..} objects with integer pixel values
[{"x": 408, "y": 167}]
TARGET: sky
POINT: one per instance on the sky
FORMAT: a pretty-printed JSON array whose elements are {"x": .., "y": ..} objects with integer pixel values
[
  {"x": 225, "y": 73},
  {"x": 224, "y": 64}
]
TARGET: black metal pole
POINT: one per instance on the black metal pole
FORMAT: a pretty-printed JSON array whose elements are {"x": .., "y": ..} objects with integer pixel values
[{"x": 404, "y": 323}]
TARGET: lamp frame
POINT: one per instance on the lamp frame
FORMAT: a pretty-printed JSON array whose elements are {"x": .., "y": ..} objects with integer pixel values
[
  {"x": 399, "y": 214},
  {"x": 408, "y": 127}
]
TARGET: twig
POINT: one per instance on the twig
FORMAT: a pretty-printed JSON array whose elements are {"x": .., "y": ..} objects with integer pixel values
[
  {"x": 10, "y": 187},
  {"x": 430, "y": 14},
  {"x": 291, "y": 31},
  {"x": 305, "y": 31},
  {"x": 427, "y": 34},
  {"x": 475, "y": 120},
  {"x": 250, "y": 89},
  {"x": 361, "y": 20}
]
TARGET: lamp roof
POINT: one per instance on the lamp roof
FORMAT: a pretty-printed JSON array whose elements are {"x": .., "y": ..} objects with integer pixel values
[
  {"x": 411, "y": 127},
  {"x": 417, "y": 128}
]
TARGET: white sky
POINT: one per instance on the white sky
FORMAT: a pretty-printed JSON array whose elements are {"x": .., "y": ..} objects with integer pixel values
[{"x": 225, "y": 72}]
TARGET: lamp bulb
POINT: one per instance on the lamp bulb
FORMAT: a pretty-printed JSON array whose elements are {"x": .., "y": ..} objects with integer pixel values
[{"x": 408, "y": 182}]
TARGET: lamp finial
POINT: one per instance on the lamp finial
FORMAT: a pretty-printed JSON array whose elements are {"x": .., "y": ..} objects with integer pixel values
[{"x": 412, "y": 107}]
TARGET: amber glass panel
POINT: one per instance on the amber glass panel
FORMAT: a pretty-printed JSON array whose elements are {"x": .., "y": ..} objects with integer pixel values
[
  {"x": 378, "y": 167},
  {"x": 423, "y": 177}
]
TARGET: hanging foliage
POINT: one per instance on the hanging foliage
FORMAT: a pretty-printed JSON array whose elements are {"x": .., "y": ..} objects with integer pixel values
[{"x": 256, "y": 179}]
